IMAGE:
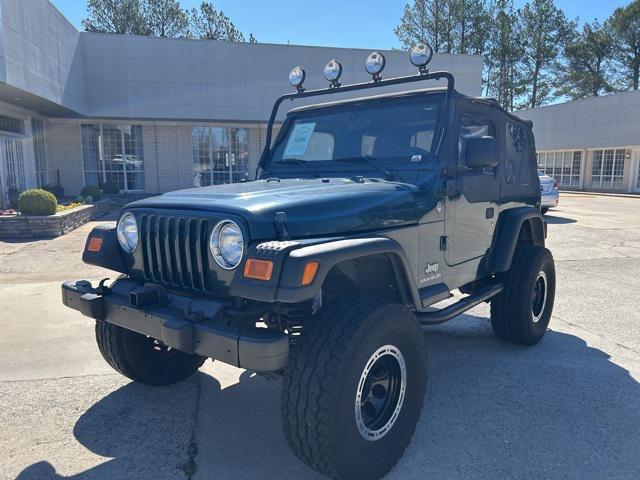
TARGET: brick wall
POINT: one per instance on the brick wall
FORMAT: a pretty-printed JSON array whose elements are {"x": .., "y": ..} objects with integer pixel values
[
  {"x": 64, "y": 153},
  {"x": 167, "y": 147}
]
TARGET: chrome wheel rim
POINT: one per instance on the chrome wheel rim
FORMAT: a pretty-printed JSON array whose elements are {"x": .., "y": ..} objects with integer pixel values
[
  {"x": 380, "y": 393},
  {"x": 540, "y": 289}
]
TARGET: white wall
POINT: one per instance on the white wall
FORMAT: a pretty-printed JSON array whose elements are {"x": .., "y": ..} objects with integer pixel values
[
  {"x": 609, "y": 121},
  {"x": 126, "y": 76},
  {"x": 143, "y": 77},
  {"x": 41, "y": 52}
]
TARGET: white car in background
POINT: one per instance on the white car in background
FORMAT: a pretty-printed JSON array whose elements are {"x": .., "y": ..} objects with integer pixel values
[{"x": 550, "y": 192}]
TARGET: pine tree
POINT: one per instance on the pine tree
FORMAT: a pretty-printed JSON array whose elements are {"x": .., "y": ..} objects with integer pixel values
[
  {"x": 588, "y": 63},
  {"x": 624, "y": 25}
]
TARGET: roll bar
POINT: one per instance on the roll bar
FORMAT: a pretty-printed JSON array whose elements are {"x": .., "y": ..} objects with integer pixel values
[{"x": 302, "y": 93}]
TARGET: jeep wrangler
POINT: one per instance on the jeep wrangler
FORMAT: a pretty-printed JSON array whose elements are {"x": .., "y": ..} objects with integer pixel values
[{"x": 366, "y": 214}]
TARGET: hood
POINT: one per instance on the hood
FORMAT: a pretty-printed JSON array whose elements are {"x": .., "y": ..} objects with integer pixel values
[{"x": 314, "y": 207}]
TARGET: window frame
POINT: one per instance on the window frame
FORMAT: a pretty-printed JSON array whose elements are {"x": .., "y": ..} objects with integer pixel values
[{"x": 103, "y": 173}]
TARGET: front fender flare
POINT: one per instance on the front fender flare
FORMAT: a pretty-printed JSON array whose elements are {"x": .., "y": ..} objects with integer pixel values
[
  {"x": 332, "y": 253},
  {"x": 289, "y": 263}
]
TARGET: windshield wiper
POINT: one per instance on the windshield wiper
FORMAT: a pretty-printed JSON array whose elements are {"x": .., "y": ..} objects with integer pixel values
[
  {"x": 295, "y": 161},
  {"x": 387, "y": 175}
]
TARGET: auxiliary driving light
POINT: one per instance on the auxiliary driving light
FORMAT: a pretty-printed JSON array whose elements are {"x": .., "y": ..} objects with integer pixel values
[
  {"x": 332, "y": 72},
  {"x": 375, "y": 64},
  {"x": 296, "y": 77},
  {"x": 421, "y": 55}
]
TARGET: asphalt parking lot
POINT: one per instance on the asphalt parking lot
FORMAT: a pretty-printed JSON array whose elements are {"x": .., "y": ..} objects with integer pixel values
[{"x": 568, "y": 408}]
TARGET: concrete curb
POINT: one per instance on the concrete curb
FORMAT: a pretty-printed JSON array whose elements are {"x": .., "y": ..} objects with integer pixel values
[{"x": 600, "y": 194}]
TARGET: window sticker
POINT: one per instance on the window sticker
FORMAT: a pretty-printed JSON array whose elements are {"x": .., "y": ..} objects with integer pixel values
[{"x": 299, "y": 140}]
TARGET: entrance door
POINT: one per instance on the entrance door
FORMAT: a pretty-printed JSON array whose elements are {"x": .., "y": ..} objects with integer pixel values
[
  {"x": 11, "y": 168},
  {"x": 635, "y": 178},
  {"x": 221, "y": 155}
]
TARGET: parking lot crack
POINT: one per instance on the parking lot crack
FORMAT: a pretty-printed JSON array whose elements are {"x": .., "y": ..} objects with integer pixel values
[{"x": 190, "y": 466}]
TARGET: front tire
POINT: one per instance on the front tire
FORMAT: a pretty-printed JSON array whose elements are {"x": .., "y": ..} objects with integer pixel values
[
  {"x": 354, "y": 388},
  {"x": 143, "y": 359},
  {"x": 521, "y": 313}
]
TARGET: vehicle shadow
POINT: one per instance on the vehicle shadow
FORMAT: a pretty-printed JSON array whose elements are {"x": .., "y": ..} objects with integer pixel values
[
  {"x": 556, "y": 220},
  {"x": 561, "y": 409}
]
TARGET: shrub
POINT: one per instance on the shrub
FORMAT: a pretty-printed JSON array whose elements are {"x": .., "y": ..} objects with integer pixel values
[
  {"x": 57, "y": 190},
  {"x": 91, "y": 191},
  {"x": 13, "y": 193},
  {"x": 110, "y": 188},
  {"x": 36, "y": 201}
]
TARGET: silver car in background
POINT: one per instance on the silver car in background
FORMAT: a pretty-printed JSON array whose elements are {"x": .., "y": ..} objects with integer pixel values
[{"x": 550, "y": 192}]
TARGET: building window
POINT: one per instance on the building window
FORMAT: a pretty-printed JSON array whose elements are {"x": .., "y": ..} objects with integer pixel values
[
  {"x": 113, "y": 154},
  {"x": 11, "y": 125},
  {"x": 564, "y": 166},
  {"x": 37, "y": 130},
  {"x": 607, "y": 168},
  {"x": 220, "y": 155},
  {"x": 11, "y": 168}
]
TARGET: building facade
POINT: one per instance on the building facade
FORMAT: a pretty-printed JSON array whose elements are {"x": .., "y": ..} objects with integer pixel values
[
  {"x": 142, "y": 114},
  {"x": 590, "y": 144}
]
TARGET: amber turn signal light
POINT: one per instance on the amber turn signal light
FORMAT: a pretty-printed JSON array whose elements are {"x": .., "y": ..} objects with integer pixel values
[
  {"x": 258, "y": 269},
  {"x": 95, "y": 244},
  {"x": 309, "y": 273}
]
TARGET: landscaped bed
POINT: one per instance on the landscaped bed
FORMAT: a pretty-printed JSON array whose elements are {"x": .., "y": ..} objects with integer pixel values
[
  {"x": 39, "y": 215},
  {"x": 18, "y": 227}
]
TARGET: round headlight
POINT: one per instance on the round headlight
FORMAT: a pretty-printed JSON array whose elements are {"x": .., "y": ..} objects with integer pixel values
[
  {"x": 127, "y": 232},
  {"x": 332, "y": 71},
  {"x": 226, "y": 244},
  {"x": 296, "y": 76},
  {"x": 421, "y": 54},
  {"x": 375, "y": 63}
]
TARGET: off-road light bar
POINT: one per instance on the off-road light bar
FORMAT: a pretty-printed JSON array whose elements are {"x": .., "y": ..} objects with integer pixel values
[
  {"x": 421, "y": 55},
  {"x": 375, "y": 65},
  {"x": 296, "y": 77},
  {"x": 332, "y": 72}
]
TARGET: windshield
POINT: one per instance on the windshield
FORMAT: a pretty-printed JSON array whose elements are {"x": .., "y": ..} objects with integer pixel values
[{"x": 394, "y": 134}]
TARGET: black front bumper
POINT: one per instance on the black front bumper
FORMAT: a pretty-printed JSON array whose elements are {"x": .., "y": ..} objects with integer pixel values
[{"x": 190, "y": 325}]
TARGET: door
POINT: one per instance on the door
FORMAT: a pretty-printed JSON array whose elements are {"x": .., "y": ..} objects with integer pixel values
[
  {"x": 220, "y": 155},
  {"x": 11, "y": 168},
  {"x": 472, "y": 210}
]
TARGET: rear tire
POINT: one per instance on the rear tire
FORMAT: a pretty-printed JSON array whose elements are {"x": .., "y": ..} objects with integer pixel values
[
  {"x": 143, "y": 359},
  {"x": 354, "y": 388},
  {"x": 521, "y": 313}
]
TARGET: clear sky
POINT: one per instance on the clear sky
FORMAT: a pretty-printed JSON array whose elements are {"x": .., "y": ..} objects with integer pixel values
[{"x": 339, "y": 23}]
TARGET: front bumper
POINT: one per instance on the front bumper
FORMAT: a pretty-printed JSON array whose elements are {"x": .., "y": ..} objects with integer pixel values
[{"x": 195, "y": 326}]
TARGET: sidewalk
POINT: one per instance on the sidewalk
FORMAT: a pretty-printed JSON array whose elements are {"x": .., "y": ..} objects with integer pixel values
[{"x": 600, "y": 194}]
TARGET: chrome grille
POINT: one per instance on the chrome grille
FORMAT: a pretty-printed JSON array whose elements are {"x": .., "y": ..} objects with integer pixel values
[{"x": 174, "y": 250}]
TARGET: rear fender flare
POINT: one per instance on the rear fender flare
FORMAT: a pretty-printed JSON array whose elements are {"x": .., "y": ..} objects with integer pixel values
[{"x": 510, "y": 225}]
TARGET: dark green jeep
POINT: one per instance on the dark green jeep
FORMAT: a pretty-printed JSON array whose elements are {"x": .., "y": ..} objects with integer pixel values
[{"x": 366, "y": 213}]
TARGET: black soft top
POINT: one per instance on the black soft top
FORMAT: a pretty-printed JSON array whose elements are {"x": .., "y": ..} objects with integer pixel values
[{"x": 490, "y": 102}]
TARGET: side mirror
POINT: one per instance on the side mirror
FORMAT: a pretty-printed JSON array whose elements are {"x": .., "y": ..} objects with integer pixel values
[{"x": 481, "y": 152}]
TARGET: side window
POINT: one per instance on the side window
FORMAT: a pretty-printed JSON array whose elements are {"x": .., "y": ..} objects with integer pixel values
[
  {"x": 473, "y": 125},
  {"x": 518, "y": 151}
]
